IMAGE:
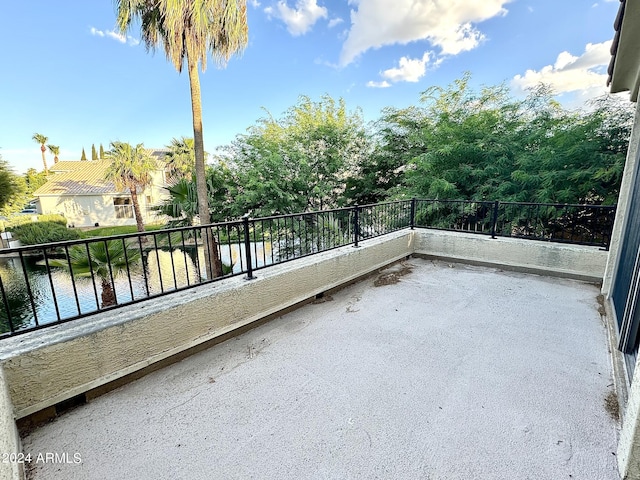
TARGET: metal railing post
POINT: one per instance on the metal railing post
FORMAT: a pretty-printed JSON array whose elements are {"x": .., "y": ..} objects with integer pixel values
[
  {"x": 494, "y": 219},
  {"x": 356, "y": 225},
  {"x": 412, "y": 223},
  {"x": 247, "y": 247}
]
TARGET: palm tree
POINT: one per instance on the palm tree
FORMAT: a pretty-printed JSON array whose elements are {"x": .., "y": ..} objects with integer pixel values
[
  {"x": 55, "y": 150},
  {"x": 104, "y": 258},
  {"x": 41, "y": 139},
  {"x": 131, "y": 169},
  {"x": 181, "y": 158},
  {"x": 182, "y": 204},
  {"x": 189, "y": 30}
]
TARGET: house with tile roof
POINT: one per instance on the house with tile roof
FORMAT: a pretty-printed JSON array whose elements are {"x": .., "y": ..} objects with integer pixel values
[{"x": 79, "y": 191}]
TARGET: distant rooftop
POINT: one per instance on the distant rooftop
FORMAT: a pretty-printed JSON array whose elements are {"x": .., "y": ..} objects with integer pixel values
[
  {"x": 77, "y": 178},
  {"x": 82, "y": 177}
]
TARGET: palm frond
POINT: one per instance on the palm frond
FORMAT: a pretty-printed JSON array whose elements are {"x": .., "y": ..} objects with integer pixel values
[{"x": 98, "y": 256}]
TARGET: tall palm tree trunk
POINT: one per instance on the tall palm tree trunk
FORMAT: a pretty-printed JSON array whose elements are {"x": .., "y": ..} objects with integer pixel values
[
  {"x": 212, "y": 259},
  {"x": 136, "y": 209},
  {"x": 108, "y": 296},
  {"x": 44, "y": 160}
]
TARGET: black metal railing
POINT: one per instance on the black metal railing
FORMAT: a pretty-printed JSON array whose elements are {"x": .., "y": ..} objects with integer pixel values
[
  {"x": 565, "y": 223},
  {"x": 44, "y": 285}
]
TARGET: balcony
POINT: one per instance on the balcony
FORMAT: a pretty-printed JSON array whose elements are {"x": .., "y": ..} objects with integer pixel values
[
  {"x": 428, "y": 369},
  {"x": 469, "y": 357}
]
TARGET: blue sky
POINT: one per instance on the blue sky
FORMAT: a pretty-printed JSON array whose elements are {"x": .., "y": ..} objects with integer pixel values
[{"x": 68, "y": 75}]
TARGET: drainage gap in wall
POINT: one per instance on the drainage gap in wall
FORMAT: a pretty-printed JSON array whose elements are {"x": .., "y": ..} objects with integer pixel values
[{"x": 70, "y": 403}]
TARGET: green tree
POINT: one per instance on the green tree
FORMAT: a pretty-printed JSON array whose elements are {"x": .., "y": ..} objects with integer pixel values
[
  {"x": 94, "y": 154},
  {"x": 188, "y": 31},
  {"x": 182, "y": 204},
  {"x": 55, "y": 151},
  {"x": 34, "y": 179},
  {"x": 131, "y": 169},
  {"x": 24, "y": 185},
  {"x": 41, "y": 140},
  {"x": 462, "y": 143},
  {"x": 105, "y": 258},
  {"x": 84, "y": 155},
  {"x": 181, "y": 158},
  {"x": 19, "y": 196},
  {"x": 382, "y": 175},
  {"x": 101, "y": 152},
  {"x": 299, "y": 162},
  {"x": 10, "y": 185}
]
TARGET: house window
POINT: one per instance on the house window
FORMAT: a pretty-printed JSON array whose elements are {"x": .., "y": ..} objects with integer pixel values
[{"x": 123, "y": 207}]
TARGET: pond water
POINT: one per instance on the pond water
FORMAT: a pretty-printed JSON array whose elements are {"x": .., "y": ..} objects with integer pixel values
[{"x": 60, "y": 296}]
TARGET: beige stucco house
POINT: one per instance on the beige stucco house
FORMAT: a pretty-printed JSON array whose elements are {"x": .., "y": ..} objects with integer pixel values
[{"x": 79, "y": 191}]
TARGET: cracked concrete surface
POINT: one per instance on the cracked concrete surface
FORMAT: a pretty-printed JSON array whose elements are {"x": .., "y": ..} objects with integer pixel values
[{"x": 450, "y": 372}]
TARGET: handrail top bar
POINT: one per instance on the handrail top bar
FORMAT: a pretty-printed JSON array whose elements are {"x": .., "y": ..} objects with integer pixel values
[
  {"x": 301, "y": 214},
  {"x": 561, "y": 205},
  {"x": 122, "y": 236},
  {"x": 392, "y": 202},
  {"x": 491, "y": 202}
]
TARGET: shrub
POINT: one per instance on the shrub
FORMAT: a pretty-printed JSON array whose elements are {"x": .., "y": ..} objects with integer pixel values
[
  {"x": 44, "y": 232},
  {"x": 54, "y": 218},
  {"x": 17, "y": 220}
]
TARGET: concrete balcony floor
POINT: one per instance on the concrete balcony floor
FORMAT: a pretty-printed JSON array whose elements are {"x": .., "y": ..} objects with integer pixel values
[{"x": 439, "y": 371}]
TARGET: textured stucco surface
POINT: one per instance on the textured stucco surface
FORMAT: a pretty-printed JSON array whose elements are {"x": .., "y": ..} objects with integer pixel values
[
  {"x": 574, "y": 261},
  {"x": 453, "y": 372},
  {"x": 624, "y": 200},
  {"x": 9, "y": 440},
  {"x": 46, "y": 367},
  {"x": 629, "y": 444}
]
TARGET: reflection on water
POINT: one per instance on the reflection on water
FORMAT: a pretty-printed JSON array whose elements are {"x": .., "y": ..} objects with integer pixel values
[{"x": 157, "y": 272}]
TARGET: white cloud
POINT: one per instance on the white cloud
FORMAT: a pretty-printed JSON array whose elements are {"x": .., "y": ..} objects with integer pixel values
[
  {"x": 116, "y": 36},
  {"x": 583, "y": 74},
  {"x": 335, "y": 21},
  {"x": 409, "y": 70},
  {"x": 383, "y": 84},
  {"x": 254, "y": 3},
  {"x": 299, "y": 19},
  {"x": 449, "y": 25},
  {"x": 128, "y": 39}
]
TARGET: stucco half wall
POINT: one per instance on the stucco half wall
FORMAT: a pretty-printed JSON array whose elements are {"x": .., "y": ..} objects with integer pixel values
[
  {"x": 545, "y": 258},
  {"x": 46, "y": 367}
]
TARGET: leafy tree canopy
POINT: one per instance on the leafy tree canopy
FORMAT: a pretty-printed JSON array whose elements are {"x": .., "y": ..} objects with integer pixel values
[
  {"x": 299, "y": 162},
  {"x": 455, "y": 143},
  {"x": 181, "y": 158},
  {"x": 485, "y": 145},
  {"x": 131, "y": 169},
  {"x": 10, "y": 184}
]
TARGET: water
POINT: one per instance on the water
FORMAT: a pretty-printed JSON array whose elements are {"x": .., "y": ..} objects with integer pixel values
[{"x": 157, "y": 272}]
